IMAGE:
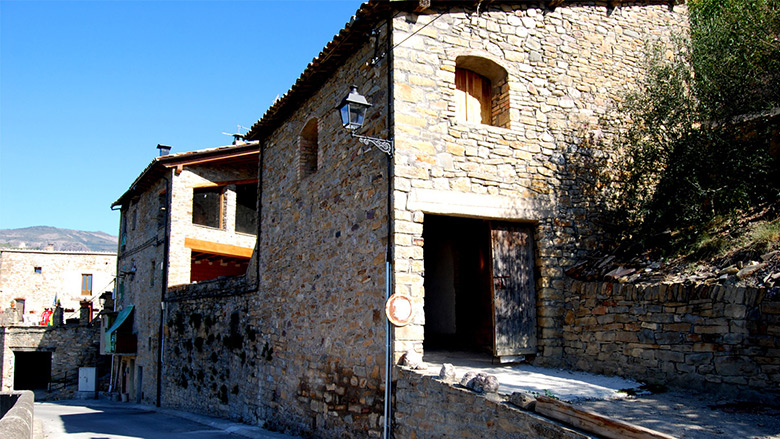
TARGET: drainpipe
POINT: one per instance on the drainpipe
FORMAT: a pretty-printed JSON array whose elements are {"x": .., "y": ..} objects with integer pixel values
[
  {"x": 389, "y": 256},
  {"x": 164, "y": 282},
  {"x": 259, "y": 210}
]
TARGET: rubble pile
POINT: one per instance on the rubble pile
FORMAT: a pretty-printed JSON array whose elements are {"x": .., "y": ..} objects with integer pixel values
[{"x": 753, "y": 273}]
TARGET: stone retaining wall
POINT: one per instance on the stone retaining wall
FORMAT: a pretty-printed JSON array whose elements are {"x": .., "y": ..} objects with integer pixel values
[
  {"x": 17, "y": 414},
  {"x": 212, "y": 350},
  {"x": 428, "y": 408},
  {"x": 697, "y": 336}
]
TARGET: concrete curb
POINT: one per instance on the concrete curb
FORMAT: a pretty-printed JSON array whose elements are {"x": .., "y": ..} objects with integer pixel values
[{"x": 18, "y": 421}]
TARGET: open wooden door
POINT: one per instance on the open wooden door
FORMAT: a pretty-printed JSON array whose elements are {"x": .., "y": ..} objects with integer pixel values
[{"x": 514, "y": 295}]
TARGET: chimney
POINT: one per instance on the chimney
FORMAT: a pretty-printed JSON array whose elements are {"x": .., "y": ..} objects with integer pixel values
[{"x": 164, "y": 149}]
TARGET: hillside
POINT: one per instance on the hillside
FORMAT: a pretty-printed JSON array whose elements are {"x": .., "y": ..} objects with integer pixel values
[{"x": 39, "y": 237}]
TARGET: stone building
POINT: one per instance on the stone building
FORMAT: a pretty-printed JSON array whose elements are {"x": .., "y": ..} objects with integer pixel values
[
  {"x": 188, "y": 218},
  {"x": 32, "y": 280},
  {"x": 494, "y": 110},
  {"x": 47, "y": 359}
]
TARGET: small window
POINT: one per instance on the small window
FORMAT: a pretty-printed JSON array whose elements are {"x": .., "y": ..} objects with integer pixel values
[
  {"x": 38, "y": 270},
  {"x": 207, "y": 207},
  {"x": 86, "y": 284},
  {"x": 308, "y": 150},
  {"x": 481, "y": 91},
  {"x": 246, "y": 208}
]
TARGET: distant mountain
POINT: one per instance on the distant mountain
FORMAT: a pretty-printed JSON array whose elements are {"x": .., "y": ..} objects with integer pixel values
[{"x": 39, "y": 237}]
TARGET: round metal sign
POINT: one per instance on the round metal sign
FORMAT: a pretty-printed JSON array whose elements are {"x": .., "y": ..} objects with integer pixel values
[{"x": 399, "y": 310}]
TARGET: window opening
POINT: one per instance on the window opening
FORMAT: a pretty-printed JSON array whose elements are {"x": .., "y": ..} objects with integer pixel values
[
  {"x": 86, "y": 284},
  {"x": 38, "y": 270},
  {"x": 308, "y": 149},
  {"x": 481, "y": 91},
  {"x": 207, "y": 207},
  {"x": 246, "y": 208}
]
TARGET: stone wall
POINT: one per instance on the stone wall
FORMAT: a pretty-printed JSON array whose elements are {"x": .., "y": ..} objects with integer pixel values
[
  {"x": 564, "y": 69},
  {"x": 428, "y": 408},
  {"x": 706, "y": 337},
  {"x": 140, "y": 283},
  {"x": 60, "y": 277},
  {"x": 322, "y": 263},
  {"x": 214, "y": 351},
  {"x": 71, "y": 347}
]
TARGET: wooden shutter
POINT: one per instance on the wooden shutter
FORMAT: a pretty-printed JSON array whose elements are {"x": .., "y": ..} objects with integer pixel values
[{"x": 472, "y": 97}]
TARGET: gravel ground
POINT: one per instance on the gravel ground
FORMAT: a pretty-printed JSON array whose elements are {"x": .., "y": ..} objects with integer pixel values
[{"x": 696, "y": 416}]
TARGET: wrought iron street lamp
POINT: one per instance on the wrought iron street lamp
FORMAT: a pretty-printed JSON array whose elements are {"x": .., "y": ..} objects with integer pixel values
[{"x": 353, "y": 112}]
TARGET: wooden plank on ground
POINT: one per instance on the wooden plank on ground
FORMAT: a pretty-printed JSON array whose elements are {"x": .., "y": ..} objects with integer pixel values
[{"x": 594, "y": 422}]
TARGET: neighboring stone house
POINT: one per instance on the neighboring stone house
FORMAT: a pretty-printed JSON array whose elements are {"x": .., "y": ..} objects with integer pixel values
[
  {"x": 493, "y": 108},
  {"x": 188, "y": 218},
  {"x": 32, "y": 280},
  {"x": 47, "y": 358}
]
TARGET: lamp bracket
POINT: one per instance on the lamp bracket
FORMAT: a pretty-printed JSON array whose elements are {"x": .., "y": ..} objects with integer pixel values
[{"x": 386, "y": 146}]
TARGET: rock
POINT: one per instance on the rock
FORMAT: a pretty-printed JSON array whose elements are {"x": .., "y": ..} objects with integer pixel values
[
  {"x": 750, "y": 269},
  {"x": 732, "y": 269},
  {"x": 620, "y": 272},
  {"x": 523, "y": 400},
  {"x": 480, "y": 382},
  {"x": 767, "y": 256},
  {"x": 412, "y": 360},
  {"x": 447, "y": 373},
  {"x": 467, "y": 377}
]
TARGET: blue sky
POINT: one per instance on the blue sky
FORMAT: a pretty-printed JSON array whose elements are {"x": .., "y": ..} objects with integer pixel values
[{"x": 88, "y": 89}]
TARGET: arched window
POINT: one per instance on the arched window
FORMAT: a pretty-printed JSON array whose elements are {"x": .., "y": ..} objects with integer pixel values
[
  {"x": 308, "y": 150},
  {"x": 481, "y": 91}
]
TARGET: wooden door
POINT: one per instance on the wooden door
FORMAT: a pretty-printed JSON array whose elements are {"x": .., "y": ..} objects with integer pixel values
[{"x": 514, "y": 295}]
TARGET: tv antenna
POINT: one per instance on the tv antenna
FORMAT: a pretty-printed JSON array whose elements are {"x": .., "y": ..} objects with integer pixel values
[{"x": 237, "y": 136}]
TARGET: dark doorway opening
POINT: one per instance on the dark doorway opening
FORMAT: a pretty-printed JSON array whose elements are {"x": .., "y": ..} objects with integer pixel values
[
  {"x": 479, "y": 287},
  {"x": 32, "y": 370},
  {"x": 458, "y": 306}
]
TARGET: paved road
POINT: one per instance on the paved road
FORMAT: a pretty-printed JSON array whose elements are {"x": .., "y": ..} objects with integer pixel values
[{"x": 99, "y": 419}]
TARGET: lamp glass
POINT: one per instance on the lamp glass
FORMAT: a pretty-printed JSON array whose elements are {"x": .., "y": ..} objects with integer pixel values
[{"x": 353, "y": 109}]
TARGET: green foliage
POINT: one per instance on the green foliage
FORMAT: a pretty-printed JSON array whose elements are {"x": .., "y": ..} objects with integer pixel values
[
  {"x": 687, "y": 158},
  {"x": 736, "y": 53}
]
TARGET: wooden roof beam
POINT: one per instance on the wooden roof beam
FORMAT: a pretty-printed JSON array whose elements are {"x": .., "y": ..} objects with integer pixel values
[{"x": 552, "y": 4}]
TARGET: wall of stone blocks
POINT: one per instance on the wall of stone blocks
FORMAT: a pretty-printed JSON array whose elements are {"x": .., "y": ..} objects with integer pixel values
[
  {"x": 72, "y": 346},
  {"x": 145, "y": 228},
  {"x": 214, "y": 352},
  {"x": 705, "y": 337},
  {"x": 322, "y": 263},
  {"x": 565, "y": 71},
  {"x": 426, "y": 407},
  {"x": 60, "y": 277}
]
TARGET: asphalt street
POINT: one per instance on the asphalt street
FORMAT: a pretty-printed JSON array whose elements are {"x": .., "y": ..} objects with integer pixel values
[{"x": 99, "y": 419}]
